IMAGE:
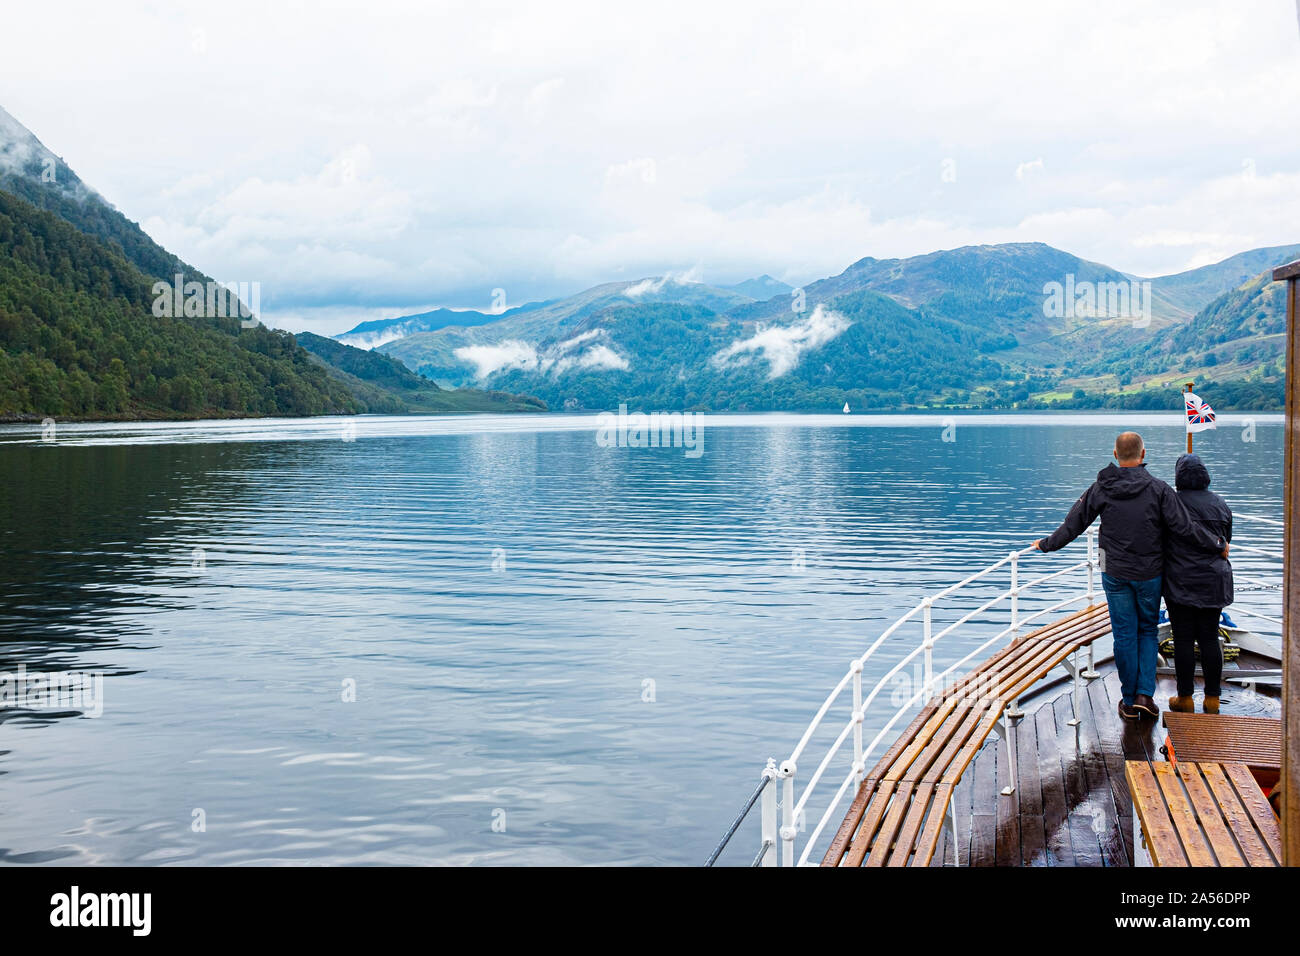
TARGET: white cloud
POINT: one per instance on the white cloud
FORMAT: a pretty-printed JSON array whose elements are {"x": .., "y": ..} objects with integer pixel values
[
  {"x": 783, "y": 345},
  {"x": 554, "y": 359},
  {"x": 1026, "y": 170},
  {"x": 691, "y": 276},
  {"x": 598, "y": 356},
  {"x": 489, "y": 359}
]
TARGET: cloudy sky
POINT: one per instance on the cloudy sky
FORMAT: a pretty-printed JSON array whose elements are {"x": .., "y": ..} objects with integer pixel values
[{"x": 363, "y": 160}]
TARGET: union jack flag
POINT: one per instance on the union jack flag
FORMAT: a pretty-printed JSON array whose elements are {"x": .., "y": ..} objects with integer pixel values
[{"x": 1200, "y": 415}]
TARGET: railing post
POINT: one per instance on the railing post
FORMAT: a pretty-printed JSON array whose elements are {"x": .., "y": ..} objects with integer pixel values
[
  {"x": 1091, "y": 672},
  {"x": 1015, "y": 593},
  {"x": 788, "y": 828},
  {"x": 859, "y": 766},
  {"x": 1092, "y": 564},
  {"x": 928, "y": 630},
  {"x": 768, "y": 812},
  {"x": 1013, "y": 710},
  {"x": 1077, "y": 675}
]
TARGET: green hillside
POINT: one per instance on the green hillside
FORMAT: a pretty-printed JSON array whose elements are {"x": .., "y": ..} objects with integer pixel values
[
  {"x": 31, "y": 172},
  {"x": 78, "y": 338},
  {"x": 1193, "y": 289},
  {"x": 682, "y": 361},
  {"x": 1237, "y": 342},
  {"x": 388, "y": 386},
  {"x": 962, "y": 328}
]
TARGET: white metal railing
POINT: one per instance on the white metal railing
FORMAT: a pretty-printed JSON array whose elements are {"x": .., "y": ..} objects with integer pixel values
[{"x": 782, "y": 777}]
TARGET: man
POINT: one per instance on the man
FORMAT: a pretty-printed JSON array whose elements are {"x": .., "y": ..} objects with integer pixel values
[{"x": 1138, "y": 511}]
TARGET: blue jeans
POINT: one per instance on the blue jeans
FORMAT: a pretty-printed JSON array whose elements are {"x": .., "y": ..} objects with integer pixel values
[{"x": 1134, "y": 623}]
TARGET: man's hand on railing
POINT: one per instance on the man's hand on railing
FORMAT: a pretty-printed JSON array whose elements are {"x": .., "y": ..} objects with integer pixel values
[{"x": 1037, "y": 545}]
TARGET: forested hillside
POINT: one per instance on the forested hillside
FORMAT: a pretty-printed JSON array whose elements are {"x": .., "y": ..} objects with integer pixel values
[
  {"x": 387, "y": 385},
  {"x": 78, "y": 338}
]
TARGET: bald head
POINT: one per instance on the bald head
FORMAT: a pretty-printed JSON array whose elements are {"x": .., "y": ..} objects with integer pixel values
[{"x": 1129, "y": 449}]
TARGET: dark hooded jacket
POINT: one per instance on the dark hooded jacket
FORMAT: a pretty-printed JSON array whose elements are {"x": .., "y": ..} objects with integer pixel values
[
  {"x": 1192, "y": 577},
  {"x": 1139, "y": 514}
]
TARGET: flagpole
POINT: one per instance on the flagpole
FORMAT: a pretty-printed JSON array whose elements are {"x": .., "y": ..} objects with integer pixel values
[{"x": 1187, "y": 388}]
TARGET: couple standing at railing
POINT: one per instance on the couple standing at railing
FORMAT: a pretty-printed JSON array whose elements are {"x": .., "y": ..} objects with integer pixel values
[{"x": 1157, "y": 541}]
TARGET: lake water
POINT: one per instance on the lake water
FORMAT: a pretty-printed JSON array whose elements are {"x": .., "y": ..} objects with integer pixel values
[{"x": 486, "y": 640}]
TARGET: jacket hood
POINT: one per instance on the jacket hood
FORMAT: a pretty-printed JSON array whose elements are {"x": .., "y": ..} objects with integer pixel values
[
  {"x": 1190, "y": 474},
  {"x": 1124, "y": 482}
]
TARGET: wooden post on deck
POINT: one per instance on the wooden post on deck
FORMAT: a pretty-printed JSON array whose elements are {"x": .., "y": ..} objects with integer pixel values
[{"x": 1290, "y": 274}]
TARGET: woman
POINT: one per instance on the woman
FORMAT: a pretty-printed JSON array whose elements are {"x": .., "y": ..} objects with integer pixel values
[{"x": 1197, "y": 587}]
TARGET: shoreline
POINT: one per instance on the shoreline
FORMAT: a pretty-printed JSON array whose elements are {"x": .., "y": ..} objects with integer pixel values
[{"x": 965, "y": 412}]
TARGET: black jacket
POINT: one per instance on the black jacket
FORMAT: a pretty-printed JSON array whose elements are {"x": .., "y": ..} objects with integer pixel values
[
  {"x": 1139, "y": 514},
  {"x": 1191, "y": 577}
]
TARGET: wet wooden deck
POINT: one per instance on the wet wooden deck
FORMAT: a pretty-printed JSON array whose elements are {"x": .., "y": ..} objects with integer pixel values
[{"x": 1072, "y": 804}]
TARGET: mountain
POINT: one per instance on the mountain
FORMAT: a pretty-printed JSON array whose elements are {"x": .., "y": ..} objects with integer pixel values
[
  {"x": 377, "y": 332},
  {"x": 978, "y": 326},
  {"x": 32, "y": 172},
  {"x": 78, "y": 333},
  {"x": 81, "y": 335},
  {"x": 983, "y": 299},
  {"x": 1237, "y": 342},
  {"x": 389, "y": 386},
  {"x": 78, "y": 338},
  {"x": 689, "y": 357},
  {"x": 998, "y": 289},
  {"x": 1193, "y": 289},
  {"x": 761, "y": 288},
  {"x": 459, "y": 355}
]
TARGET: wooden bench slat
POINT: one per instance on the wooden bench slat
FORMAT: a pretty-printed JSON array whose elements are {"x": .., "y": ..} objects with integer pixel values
[
  {"x": 1037, "y": 667},
  {"x": 1239, "y": 821},
  {"x": 965, "y": 734},
  {"x": 870, "y": 823},
  {"x": 839, "y": 846},
  {"x": 1037, "y": 658},
  {"x": 1257, "y": 806},
  {"x": 1162, "y": 839},
  {"x": 949, "y": 737},
  {"x": 929, "y": 839},
  {"x": 959, "y": 764},
  {"x": 844, "y": 835},
  {"x": 922, "y": 740},
  {"x": 1207, "y": 810},
  {"x": 900, "y": 743},
  {"x": 1084, "y": 626},
  {"x": 1184, "y": 817},
  {"x": 911, "y": 825},
  {"x": 884, "y": 841}
]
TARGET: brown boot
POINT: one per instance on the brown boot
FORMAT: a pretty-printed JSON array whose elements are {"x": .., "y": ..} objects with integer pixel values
[
  {"x": 1211, "y": 705},
  {"x": 1145, "y": 706},
  {"x": 1183, "y": 705}
]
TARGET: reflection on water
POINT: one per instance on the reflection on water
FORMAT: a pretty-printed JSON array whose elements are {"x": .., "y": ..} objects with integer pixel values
[{"x": 483, "y": 639}]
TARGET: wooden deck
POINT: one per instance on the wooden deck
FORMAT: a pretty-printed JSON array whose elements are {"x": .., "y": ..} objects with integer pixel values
[{"x": 1072, "y": 806}]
